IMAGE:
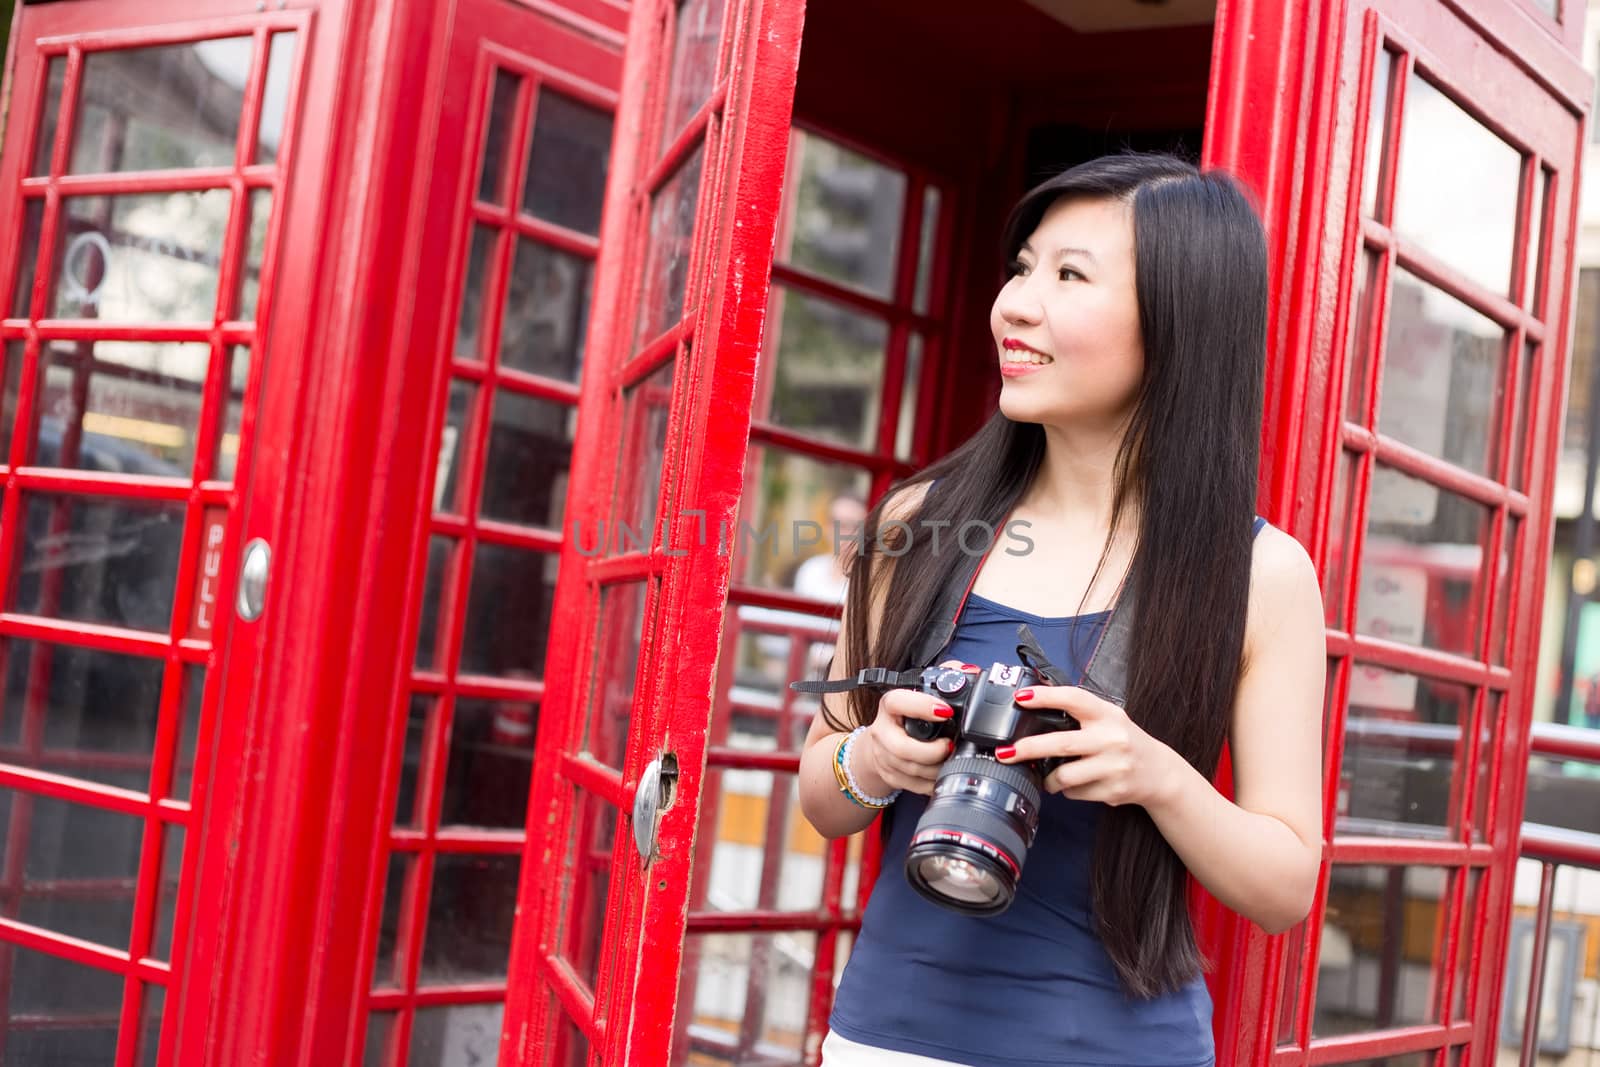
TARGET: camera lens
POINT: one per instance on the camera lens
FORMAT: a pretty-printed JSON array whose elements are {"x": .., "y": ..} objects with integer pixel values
[{"x": 968, "y": 848}]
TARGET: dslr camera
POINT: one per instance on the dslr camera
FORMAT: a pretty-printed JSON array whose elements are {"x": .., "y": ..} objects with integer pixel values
[{"x": 968, "y": 848}]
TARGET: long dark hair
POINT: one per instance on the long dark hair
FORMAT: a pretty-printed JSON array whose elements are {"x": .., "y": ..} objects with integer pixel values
[{"x": 1189, "y": 458}]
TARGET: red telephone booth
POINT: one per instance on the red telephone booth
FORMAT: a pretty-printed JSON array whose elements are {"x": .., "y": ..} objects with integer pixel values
[{"x": 391, "y": 390}]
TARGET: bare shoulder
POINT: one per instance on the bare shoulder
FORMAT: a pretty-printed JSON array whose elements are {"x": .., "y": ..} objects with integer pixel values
[{"x": 1284, "y": 593}]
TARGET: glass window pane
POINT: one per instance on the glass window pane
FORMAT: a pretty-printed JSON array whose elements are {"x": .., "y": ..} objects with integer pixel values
[
  {"x": 275, "y": 97},
  {"x": 152, "y": 1000},
  {"x": 847, "y": 216},
  {"x": 637, "y": 495},
  {"x": 80, "y": 867},
  {"x": 27, "y": 258},
  {"x": 827, "y": 377},
  {"x": 1457, "y": 190},
  {"x": 697, "y": 35},
  {"x": 380, "y": 1027},
  {"x": 255, "y": 252},
  {"x": 1377, "y": 132},
  {"x": 80, "y": 712},
  {"x": 530, "y": 450},
  {"x": 474, "y": 284},
  {"x": 441, "y": 555},
  {"x": 82, "y": 1003},
  {"x": 1499, "y": 634},
  {"x": 406, "y": 812},
  {"x": 15, "y": 354},
  {"x": 468, "y": 938},
  {"x": 226, "y": 464},
  {"x": 1443, "y": 375},
  {"x": 44, "y": 144},
  {"x": 1422, "y": 566},
  {"x": 452, "y": 446},
  {"x": 566, "y": 181},
  {"x": 1468, "y": 932},
  {"x": 733, "y": 976},
  {"x": 910, "y": 389},
  {"x": 1380, "y": 944},
  {"x": 593, "y": 833},
  {"x": 99, "y": 560},
  {"x": 1489, "y": 730},
  {"x": 386, "y": 964},
  {"x": 508, "y": 611},
  {"x": 168, "y": 107},
  {"x": 1403, "y": 739},
  {"x": 167, "y": 890},
  {"x": 766, "y": 855},
  {"x": 1533, "y": 237},
  {"x": 142, "y": 257},
  {"x": 1363, "y": 338},
  {"x": 183, "y": 768},
  {"x": 497, "y": 137},
  {"x": 925, "y": 248},
  {"x": 666, "y": 265},
  {"x": 619, "y": 639},
  {"x": 141, "y": 406},
  {"x": 791, "y": 505},
  {"x": 1341, "y": 537},
  {"x": 491, "y": 763},
  {"x": 546, "y": 312},
  {"x": 455, "y": 1035}
]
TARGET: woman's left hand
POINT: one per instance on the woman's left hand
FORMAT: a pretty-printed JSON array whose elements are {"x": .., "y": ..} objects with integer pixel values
[{"x": 1116, "y": 761}]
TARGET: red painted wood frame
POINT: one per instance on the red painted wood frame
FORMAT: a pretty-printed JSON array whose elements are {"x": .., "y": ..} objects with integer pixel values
[
  {"x": 472, "y": 713},
  {"x": 1306, "y": 155},
  {"x": 691, "y": 208},
  {"x": 224, "y": 495}
]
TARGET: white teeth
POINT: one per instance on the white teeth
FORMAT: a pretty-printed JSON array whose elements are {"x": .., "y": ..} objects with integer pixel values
[{"x": 1018, "y": 355}]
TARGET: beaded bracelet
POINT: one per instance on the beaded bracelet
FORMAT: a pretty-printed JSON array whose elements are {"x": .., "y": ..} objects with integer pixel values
[{"x": 846, "y": 778}]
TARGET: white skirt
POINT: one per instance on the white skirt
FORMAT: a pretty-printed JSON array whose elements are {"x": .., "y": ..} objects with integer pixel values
[{"x": 842, "y": 1052}]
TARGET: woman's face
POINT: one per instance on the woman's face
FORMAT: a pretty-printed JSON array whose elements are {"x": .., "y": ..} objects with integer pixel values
[{"x": 1071, "y": 305}]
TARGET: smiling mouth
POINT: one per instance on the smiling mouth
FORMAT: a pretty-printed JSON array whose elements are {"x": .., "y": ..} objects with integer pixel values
[{"x": 1024, "y": 357}]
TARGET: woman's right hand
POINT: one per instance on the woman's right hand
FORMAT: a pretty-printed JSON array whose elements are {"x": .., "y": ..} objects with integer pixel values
[{"x": 886, "y": 758}]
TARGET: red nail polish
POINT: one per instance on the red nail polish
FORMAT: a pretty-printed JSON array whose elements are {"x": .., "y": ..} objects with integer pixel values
[
  {"x": 951, "y": 749},
  {"x": 1005, "y": 751},
  {"x": 945, "y": 711},
  {"x": 1024, "y": 694},
  {"x": 971, "y": 667}
]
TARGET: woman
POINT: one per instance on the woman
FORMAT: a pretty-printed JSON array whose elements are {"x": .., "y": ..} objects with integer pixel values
[{"x": 1131, "y": 337}]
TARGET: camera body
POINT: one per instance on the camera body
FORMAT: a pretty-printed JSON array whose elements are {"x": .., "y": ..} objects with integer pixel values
[
  {"x": 987, "y": 713},
  {"x": 969, "y": 845}
]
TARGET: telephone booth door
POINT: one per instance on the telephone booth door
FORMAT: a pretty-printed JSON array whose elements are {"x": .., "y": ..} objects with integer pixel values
[
  {"x": 147, "y": 347},
  {"x": 1423, "y": 213}
]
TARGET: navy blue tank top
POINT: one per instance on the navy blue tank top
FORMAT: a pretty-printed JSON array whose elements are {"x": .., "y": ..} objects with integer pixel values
[{"x": 1034, "y": 985}]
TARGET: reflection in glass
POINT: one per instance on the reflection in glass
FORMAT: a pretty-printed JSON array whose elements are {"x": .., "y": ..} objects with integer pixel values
[
  {"x": 1383, "y": 72},
  {"x": 619, "y": 637},
  {"x": 546, "y": 311},
  {"x": 1443, "y": 386},
  {"x": 167, "y": 890},
  {"x": 227, "y": 461},
  {"x": 1457, "y": 190},
  {"x": 255, "y": 252},
  {"x": 762, "y": 839},
  {"x": 827, "y": 377},
  {"x": 470, "y": 324},
  {"x": 194, "y": 690},
  {"x": 1466, "y": 973},
  {"x": 633, "y": 526},
  {"x": 169, "y": 107},
  {"x": 1499, "y": 635},
  {"x": 925, "y": 248},
  {"x": 697, "y": 34},
  {"x": 141, "y": 257},
  {"x": 1364, "y": 338},
  {"x": 386, "y": 962},
  {"x": 380, "y": 1026},
  {"x": 1341, "y": 536},
  {"x": 151, "y": 1004},
  {"x": 45, "y": 143},
  {"x": 530, "y": 449},
  {"x": 508, "y": 611},
  {"x": 906, "y": 426},
  {"x": 1488, "y": 731},
  {"x": 566, "y": 181},
  {"x": 468, "y": 936},
  {"x": 80, "y": 712},
  {"x": 847, "y": 216},
  {"x": 725, "y": 976},
  {"x": 80, "y": 866},
  {"x": 594, "y": 831},
  {"x": 99, "y": 560},
  {"x": 141, "y": 406},
  {"x": 86, "y": 1000},
  {"x": 497, "y": 138},
  {"x": 1422, "y": 565},
  {"x": 666, "y": 266},
  {"x": 275, "y": 97},
  {"x": 789, "y": 514},
  {"x": 1380, "y": 944},
  {"x": 452, "y": 446},
  {"x": 1403, "y": 734},
  {"x": 1515, "y": 476},
  {"x": 455, "y": 1035},
  {"x": 28, "y": 257},
  {"x": 441, "y": 552},
  {"x": 406, "y": 812},
  {"x": 491, "y": 763},
  {"x": 10, "y": 382},
  {"x": 1533, "y": 283}
]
